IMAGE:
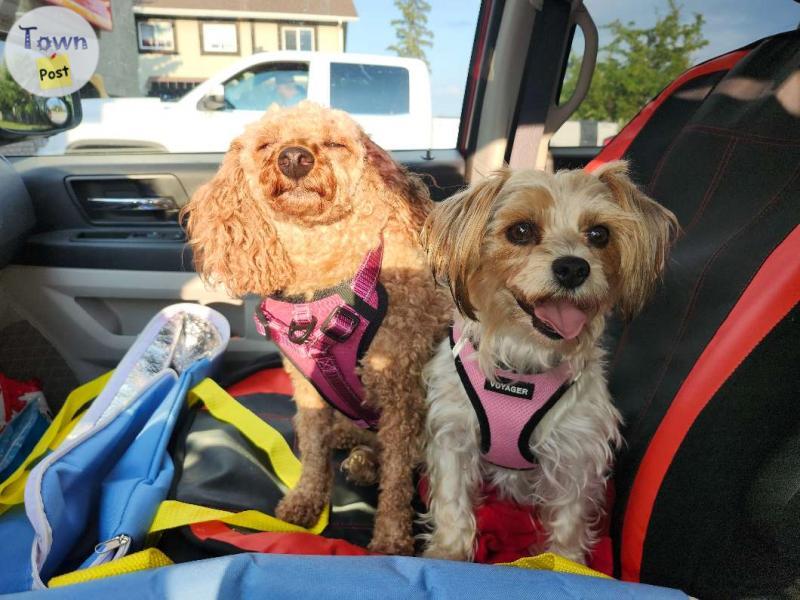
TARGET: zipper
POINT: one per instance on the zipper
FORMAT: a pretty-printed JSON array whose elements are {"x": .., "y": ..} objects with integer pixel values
[
  {"x": 41, "y": 526},
  {"x": 112, "y": 549}
]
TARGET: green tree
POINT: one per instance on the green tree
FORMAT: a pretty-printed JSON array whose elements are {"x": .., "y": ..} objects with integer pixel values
[
  {"x": 14, "y": 101},
  {"x": 413, "y": 35},
  {"x": 636, "y": 64}
]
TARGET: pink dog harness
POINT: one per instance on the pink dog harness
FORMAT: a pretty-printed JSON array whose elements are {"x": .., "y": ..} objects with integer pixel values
[
  {"x": 326, "y": 337},
  {"x": 509, "y": 409}
]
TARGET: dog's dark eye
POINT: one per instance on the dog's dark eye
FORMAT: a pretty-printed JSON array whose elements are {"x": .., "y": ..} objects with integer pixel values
[
  {"x": 334, "y": 145},
  {"x": 597, "y": 236},
  {"x": 522, "y": 233}
]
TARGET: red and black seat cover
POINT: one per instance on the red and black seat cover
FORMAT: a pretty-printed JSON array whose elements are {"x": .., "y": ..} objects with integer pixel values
[{"x": 707, "y": 377}]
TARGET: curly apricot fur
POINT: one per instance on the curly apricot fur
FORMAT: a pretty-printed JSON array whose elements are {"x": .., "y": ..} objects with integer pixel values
[{"x": 253, "y": 229}]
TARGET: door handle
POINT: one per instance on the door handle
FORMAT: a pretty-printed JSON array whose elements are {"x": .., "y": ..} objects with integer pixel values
[{"x": 148, "y": 204}]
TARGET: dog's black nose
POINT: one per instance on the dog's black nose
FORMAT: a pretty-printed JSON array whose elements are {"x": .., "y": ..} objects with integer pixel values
[
  {"x": 570, "y": 271},
  {"x": 295, "y": 161}
]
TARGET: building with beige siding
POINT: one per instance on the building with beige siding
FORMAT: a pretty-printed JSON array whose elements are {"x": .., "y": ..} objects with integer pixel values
[{"x": 183, "y": 42}]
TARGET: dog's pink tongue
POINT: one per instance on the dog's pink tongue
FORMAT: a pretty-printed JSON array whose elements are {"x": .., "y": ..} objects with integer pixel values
[{"x": 562, "y": 316}]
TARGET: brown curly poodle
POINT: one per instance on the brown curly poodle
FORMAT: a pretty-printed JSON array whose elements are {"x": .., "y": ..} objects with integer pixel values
[{"x": 301, "y": 197}]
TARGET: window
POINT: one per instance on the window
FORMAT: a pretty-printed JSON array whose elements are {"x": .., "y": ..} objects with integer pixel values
[
  {"x": 259, "y": 87},
  {"x": 160, "y": 61},
  {"x": 298, "y": 38},
  {"x": 369, "y": 89},
  {"x": 156, "y": 36},
  {"x": 219, "y": 38},
  {"x": 643, "y": 46}
]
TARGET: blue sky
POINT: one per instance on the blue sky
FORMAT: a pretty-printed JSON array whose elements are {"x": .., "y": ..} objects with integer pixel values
[
  {"x": 453, "y": 26},
  {"x": 729, "y": 24}
]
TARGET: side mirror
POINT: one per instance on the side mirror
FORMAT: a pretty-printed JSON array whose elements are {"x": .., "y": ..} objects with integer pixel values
[
  {"x": 23, "y": 115},
  {"x": 213, "y": 100}
]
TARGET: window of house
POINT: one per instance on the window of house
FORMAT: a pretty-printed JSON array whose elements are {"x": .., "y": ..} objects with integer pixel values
[
  {"x": 298, "y": 38},
  {"x": 259, "y": 87},
  {"x": 156, "y": 36},
  {"x": 369, "y": 89},
  {"x": 219, "y": 38}
]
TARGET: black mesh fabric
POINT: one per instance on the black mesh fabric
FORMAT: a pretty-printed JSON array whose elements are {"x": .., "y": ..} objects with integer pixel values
[
  {"x": 217, "y": 466},
  {"x": 660, "y": 130}
]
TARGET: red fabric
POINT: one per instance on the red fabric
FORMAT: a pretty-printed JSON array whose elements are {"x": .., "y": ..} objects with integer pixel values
[
  {"x": 268, "y": 381},
  {"x": 771, "y": 294},
  {"x": 508, "y": 531},
  {"x": 617, "y": 147},
  {"x": 276, "y": 543},
  {"x": 11, "y": 395}
]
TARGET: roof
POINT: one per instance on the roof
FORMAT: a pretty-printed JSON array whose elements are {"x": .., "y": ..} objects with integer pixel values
[{"x": 273, "y": 10}]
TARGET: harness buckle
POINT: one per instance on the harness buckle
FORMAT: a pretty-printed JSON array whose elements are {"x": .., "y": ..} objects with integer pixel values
[
  {"x": 340, "y": 324},
  {"x": 299, "y": 333}
]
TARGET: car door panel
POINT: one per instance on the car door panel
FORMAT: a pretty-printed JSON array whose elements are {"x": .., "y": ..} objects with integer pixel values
[
  {"x": 91, "y": 281},
  {"x": 92, "y": 316},
  {"x": 127, "y": 199}
]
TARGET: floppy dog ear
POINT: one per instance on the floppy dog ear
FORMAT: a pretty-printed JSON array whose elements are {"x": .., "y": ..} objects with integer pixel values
[
  {"x": 406, "y": 194},
  {"x": 453, "y": 235},
  {"x": 646, "y": 242},
  {"x": 232, "y": 238}
]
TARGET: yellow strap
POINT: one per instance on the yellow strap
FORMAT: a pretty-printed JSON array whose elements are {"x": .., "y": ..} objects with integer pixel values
[
  {"x": 172, "y": 513},
  {"x": 553, "y": 562},
  {"x": 225, "y": 408},
  {"x": 287, "y": 467},
  {"x": 138, "y": 561},
  {"x": 12, "y": 490}
]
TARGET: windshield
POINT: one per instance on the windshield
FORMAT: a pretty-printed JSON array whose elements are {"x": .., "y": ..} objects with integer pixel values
[{"x": 185, "y": 76}]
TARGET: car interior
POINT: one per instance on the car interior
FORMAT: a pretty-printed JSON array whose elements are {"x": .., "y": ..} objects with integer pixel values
[{"x": 91, "y": 247}]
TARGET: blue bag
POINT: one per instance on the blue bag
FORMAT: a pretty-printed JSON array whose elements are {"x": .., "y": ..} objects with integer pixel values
[
  {"x": 279, "y": 577},
  {"x": 91, "y": 500},
  {"x": 21, "y": 434}
]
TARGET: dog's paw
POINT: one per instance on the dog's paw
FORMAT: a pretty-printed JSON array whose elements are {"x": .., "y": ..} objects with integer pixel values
[
  {"x": 404, "y": 547},
  {"x": 301, "y": 509},
  {"x": 361, "y": 466},
  {"x": 401, "y": 544}
]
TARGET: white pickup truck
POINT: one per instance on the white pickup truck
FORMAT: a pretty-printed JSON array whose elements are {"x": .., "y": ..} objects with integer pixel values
[{"x": 390, "y": 97}]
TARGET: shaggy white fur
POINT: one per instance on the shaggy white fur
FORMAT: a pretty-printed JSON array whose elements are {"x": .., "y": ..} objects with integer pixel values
[
  {"x": 497, "y": 246},
  {"x": 573, "y": 445}
]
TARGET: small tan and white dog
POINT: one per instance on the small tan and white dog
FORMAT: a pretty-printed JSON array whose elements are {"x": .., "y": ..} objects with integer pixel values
[{"x": 517, "y": 399}]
